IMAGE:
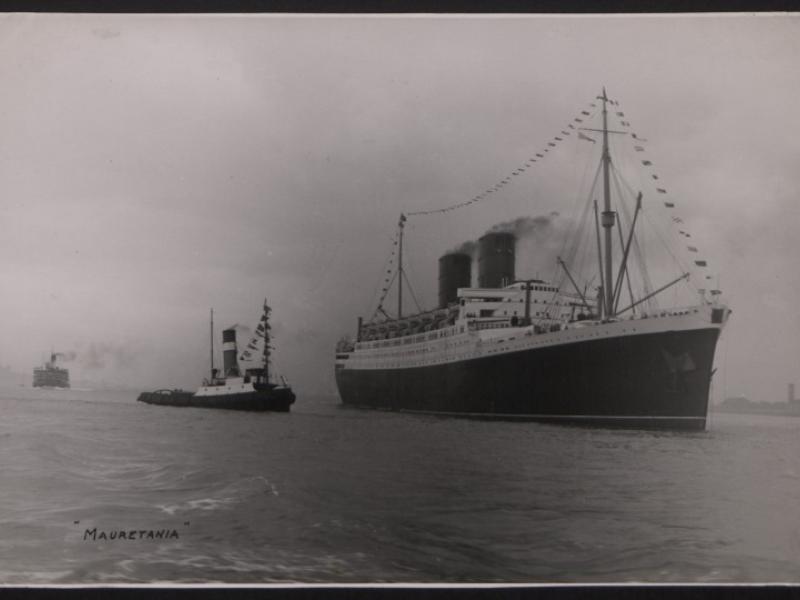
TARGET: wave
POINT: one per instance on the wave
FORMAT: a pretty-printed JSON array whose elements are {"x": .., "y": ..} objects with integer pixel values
[{"x": 228, "y": 496}]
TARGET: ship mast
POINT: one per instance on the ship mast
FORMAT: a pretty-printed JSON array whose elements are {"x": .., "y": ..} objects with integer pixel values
[
  {"x": 608, "y": 215},
  {"x": 401, "y": 225}
]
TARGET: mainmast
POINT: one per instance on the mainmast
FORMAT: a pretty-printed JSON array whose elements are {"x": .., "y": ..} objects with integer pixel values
[{"x": 608, "y": 215}]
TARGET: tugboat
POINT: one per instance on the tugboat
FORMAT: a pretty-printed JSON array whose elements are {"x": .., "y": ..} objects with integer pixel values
[{"x": 252, "y": 390}]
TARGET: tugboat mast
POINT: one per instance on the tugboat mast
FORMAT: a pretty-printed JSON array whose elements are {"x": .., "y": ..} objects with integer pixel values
[
  {"x": 212, "y": 345},
  {"x": 267, "y": 310}
]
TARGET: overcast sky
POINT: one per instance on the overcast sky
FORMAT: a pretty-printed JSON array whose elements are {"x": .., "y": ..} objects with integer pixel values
[{"x": 152, "y": 167}]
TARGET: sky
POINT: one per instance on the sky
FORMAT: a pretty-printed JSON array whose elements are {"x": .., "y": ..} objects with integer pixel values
[{"x": 154, "y": 167}]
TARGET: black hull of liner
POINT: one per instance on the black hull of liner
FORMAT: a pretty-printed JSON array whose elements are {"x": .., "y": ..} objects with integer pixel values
[
  {"x": 274, "y": 401},
  {"x": 653, "y": 381}
]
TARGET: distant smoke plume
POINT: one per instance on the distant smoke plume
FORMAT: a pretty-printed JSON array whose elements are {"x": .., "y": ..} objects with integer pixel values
[{"x": 99, "y": 355}]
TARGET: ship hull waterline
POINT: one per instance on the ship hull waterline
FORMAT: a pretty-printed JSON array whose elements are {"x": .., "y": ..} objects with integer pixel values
[{"x": 652, "y": 381}]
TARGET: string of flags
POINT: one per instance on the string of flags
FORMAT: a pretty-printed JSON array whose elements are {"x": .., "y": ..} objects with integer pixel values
[
  {"x": 553, "y": 143},
  {"x": 573, "y": 127},
  {"x": 259, "y": 335},
  {"x": 387, "y": 282},
  {"x": 668, "y": 202}
]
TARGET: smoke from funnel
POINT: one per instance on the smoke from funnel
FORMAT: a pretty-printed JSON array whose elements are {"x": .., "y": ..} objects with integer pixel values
[
  {"x": 523, "y": 227},
  {"x": 538, "y": 240},
  {"x": 470, "y": 248}
]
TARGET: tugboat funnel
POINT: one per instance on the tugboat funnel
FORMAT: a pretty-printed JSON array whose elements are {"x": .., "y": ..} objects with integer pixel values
[{"x": 229, "y": 351}]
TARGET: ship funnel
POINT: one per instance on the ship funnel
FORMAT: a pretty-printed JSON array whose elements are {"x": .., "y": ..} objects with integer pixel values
[
  {"x": 454, "y": 272},
  {"x": 496, "y": 260},
  {"x": 229, "y": 363}
]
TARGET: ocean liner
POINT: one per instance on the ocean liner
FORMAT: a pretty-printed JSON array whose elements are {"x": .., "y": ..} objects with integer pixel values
[
  {"x": 559, "y": 351},
  {"x": 49, "y": 375},
  {"x": 252, "y": 389}
]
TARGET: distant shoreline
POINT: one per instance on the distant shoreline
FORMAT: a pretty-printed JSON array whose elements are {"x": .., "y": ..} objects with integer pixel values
[{"x": 776, "y": 410}]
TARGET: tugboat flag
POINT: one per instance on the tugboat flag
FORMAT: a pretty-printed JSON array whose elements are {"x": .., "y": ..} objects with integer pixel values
[{"x": 583, "y": 136}]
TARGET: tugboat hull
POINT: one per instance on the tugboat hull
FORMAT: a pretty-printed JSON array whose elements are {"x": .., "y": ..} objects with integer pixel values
[{"x": 275, "y": 400}]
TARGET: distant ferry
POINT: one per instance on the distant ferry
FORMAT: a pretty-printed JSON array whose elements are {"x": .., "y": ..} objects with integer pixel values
[
  {"x": 51, "y": 376},
  {"x": 593, "y": 352},
  {"x": 252, "y": 390}
]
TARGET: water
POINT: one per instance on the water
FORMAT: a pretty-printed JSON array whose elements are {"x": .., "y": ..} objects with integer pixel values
[{"x": 329, "y": 494}]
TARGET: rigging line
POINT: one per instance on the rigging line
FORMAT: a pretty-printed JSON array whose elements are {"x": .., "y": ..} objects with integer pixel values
[
  {"x": 622, "y": 151},
  {"x": 624, "y": 270},
  {"x": 491, "y": 189},
  {"x": 406, "y": 270},
  {"x": 411, "y": 291},
  {"x": 576, "y": 204},
  {"x": 581, "y": 248},
  {"x": 638, "y": 252},
  {"x": 380, "y": 304},
  {"x": 383, "y": 270},
  {"x": 681, "y": 264},
  {"x": 677, "y": 261},
  {"x": 575, "y": 234},
  {"x": 577, "y": 259}
]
